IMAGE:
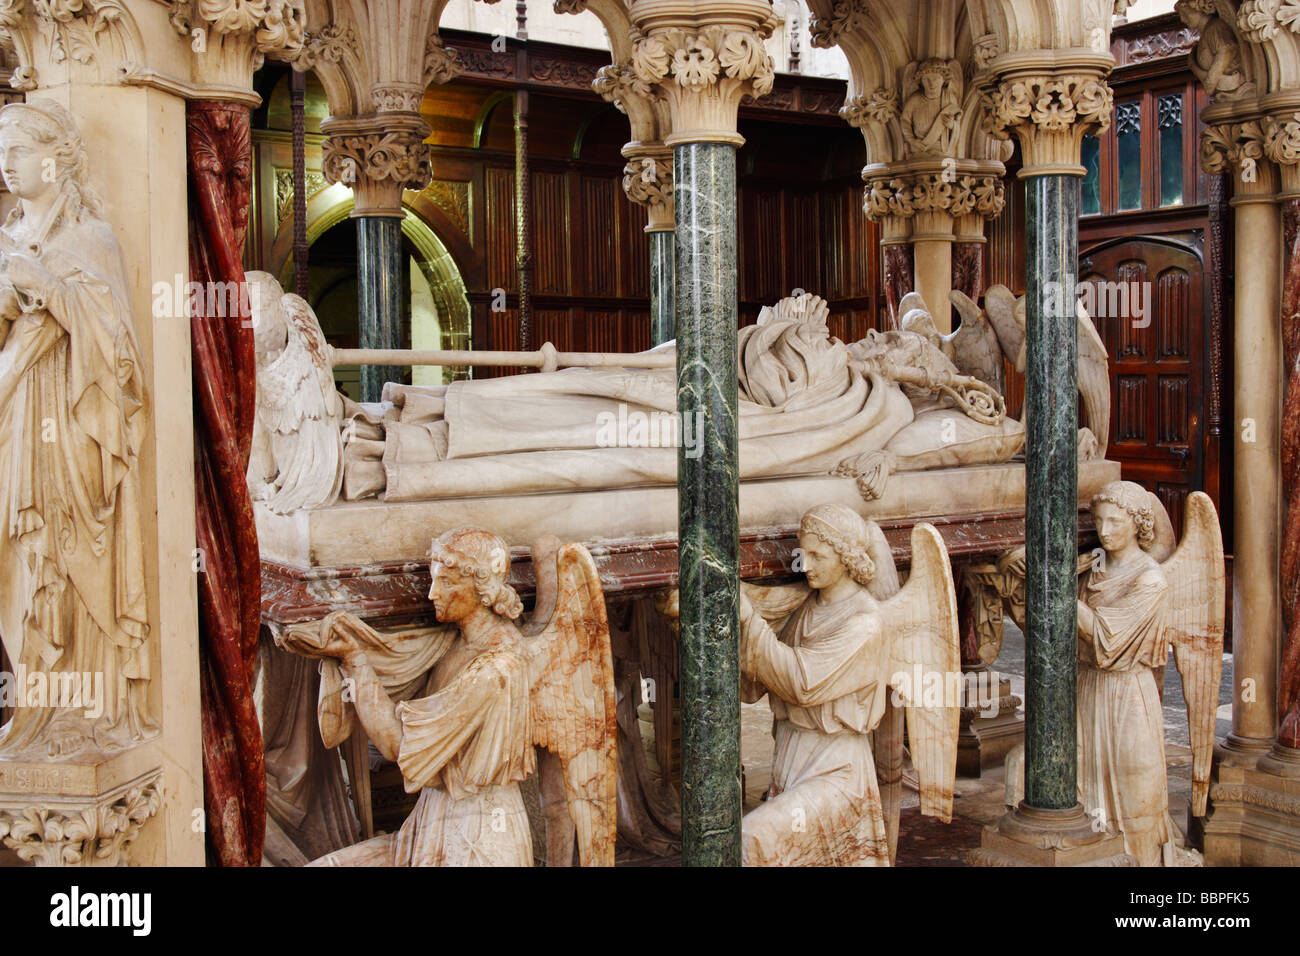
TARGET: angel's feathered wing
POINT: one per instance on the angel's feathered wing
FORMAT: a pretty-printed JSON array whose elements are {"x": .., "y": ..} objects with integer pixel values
[
  {"x": 1094, "y": 379},
  {"x": 920, "y": 624},
  {"x": 572, "y": 705},
  {"x": 976, "y": 348},
  {"x": 1194, "y": 627},
  {"x": 300, "y": 408},
  {"x": 1000, "y": 308}
]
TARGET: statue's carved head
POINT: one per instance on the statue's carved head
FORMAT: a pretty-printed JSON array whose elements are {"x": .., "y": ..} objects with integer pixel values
[
  {"x": 40, "y": 149},
  {"x": 932, "y": 76},
  {"x": 1122, "y": 510},
  {"x": 469, "y": 567},
  {"x": 845, "y": 534},
  {"x": 270, "y": 331}
]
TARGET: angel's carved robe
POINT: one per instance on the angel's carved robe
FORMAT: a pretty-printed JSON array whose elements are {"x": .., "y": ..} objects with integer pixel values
[
  {"x": 1121, "y": 736},
  {"x": 825, "y": 682},
  {"x": 465, "y": 747}
]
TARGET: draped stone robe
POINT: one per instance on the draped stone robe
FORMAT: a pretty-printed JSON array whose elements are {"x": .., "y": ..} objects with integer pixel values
[
  {"x": 826, "y": 682},
  {"x": 1121, "y": 736},
  {"x": 72, "y": 587}
]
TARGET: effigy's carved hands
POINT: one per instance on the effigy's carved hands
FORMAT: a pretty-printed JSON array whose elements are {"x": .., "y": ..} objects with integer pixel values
[
  {"x": 30, "y": 277},
  {"x": 871, "y": 469}
]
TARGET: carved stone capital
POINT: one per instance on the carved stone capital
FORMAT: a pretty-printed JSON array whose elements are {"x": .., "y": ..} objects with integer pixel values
[
  {"x": 1049, "y": 111},
  {"x": 845, "y": 15},
  {"x": 953, "y": 192},
  {"x": 379, "y": 157},
  {"x": 1244, "y": 150},
  {"x": 230, "y": 39},
  {"x": 332, "y": 43},
  {"x": 96, "y": 832},
  {"x": 876, "y": 108},
  {"x": 396, "y": 97},
  {"x": 702, "y": 66},
  {"x": 648, "y": 181},
  {"x": 441, "y": 65}
]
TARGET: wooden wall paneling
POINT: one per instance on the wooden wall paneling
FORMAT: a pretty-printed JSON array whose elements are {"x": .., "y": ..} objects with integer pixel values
[
  {"x": 599, "y": 216},
  {"x": 500, "y": 246},
  {"x": 551, "y": 233}
]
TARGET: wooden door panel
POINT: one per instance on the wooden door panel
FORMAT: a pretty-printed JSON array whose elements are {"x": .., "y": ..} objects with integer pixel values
[{"x": 1157, "y": 361}]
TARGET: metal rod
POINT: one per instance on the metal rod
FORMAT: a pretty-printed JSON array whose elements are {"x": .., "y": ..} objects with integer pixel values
[{"x": 543, "y": 358}]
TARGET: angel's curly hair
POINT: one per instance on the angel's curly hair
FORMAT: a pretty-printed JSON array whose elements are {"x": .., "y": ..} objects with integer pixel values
[
  {"x": 847, "y": 534},
  {"x": 933, "y": 65},
  {"x": 1136, "y": 500},
  {"x": 51, "y": 124},
  {"x": 485, "y": 559}
]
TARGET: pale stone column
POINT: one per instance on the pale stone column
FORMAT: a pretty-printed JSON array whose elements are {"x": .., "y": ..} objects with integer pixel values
[
  {"x": 701, "y": 59},
  {"x": 921, "y": 202},
  {"x": 1239, "y": 150}
]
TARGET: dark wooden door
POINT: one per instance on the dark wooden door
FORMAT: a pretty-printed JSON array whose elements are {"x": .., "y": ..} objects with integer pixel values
[{"x": 1157, "y": 363}]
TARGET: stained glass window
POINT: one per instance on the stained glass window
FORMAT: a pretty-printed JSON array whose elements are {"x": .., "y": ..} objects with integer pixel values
[
  {"x": 1128, "y": 130},
  {"x": 1169, "y": 114}
]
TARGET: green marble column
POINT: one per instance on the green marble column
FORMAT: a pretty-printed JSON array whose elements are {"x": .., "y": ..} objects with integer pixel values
[
  {"x": 1051, "y": 496},
  {"x": 708, "y": 512},
  {"x": 661, "y": 287},
  {"x": 380, "y": 296}
]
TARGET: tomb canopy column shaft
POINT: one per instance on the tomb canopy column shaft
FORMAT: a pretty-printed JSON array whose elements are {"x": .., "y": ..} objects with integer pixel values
[
  {"x": 379, "y": 156},
  {"x": 700, "y": 60},
  {"x": 1049, "y": 100},
  {"x": 648, "y": 181}
]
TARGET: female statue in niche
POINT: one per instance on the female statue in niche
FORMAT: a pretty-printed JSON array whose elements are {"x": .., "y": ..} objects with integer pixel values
[
  {"x": 72, "y": 422},
  {"x": 842, "y": 643},
  {"x": 933, "y": 109}
]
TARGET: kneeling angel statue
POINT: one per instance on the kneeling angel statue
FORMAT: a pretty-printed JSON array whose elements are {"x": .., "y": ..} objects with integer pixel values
[{"x": 828, "y": 654}]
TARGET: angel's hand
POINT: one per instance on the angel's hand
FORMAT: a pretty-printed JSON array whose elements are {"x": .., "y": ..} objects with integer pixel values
[
  {"x": 28, "y": 274},
  {"x": 1012, "y": 562},
  {"x": 872, "y": 470}
]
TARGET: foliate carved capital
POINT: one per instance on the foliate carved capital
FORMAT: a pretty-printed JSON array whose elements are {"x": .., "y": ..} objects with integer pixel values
[
  {"x": 902, "y": 195},
  {"x": 441, "y": 64},
  {"x": 231, "y": 39},
  {"x": 870, "y": 109},
  {"x": 618, "y": 83},
  {"x": 648, "y": 181},
  {"x": 98, "y": 834},
  {"x": 845, "y": 15},
  {"x": 1049, "y": 113},
  {"x": 396, "y": 97},
  {"x": 1238, "y": 149},
  {"x": 94, "y": 37},
  {"x": 377, "y": 163},
  {"x": 331, "y": 44},
  {"x": 704, "y": 73}
]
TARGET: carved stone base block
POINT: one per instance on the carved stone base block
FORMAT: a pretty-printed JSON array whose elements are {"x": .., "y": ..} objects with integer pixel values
[
  {"x": 985, "y": 741},
  {"x": 1028, "y": 836},
  {"x": 1254, "y": 814},
  {"x": 84, "y": 811}
]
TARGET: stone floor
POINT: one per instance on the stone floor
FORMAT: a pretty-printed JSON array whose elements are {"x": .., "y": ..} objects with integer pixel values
[{"x": 924, "y": 841}]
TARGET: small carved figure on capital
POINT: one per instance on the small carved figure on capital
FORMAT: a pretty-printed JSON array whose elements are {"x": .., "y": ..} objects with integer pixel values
[
  {"x": 1216, "y": 58},
  {"x": 932, "y": 113}
]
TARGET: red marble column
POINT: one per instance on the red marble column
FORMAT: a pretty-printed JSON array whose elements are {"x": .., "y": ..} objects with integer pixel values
[
  {"x": 1289, "y": 686},
  {"x": 234, "y": 775},
  {"x": 899, "y": 278},
  {"x": 968, "y": 268}
]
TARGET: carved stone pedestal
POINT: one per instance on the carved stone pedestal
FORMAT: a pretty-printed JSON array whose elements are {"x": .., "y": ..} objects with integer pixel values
[
  {"x": 83, "y": 811},
  {"x": 986, "y": 738},
  {"x": 1028, "y": 836},
  {"x": 1254, "y": 813}
]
